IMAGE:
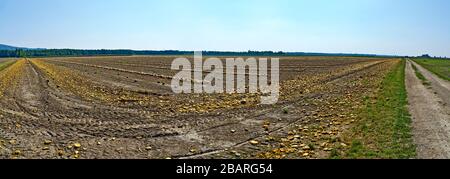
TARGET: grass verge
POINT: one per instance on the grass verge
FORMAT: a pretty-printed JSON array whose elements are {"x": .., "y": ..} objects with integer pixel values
[
  {"x": 440, "y": 67},
  {"x": 420, "y": 76},
  {"x": 384, "y": 130},
  {"x": 5, "y": 65}
]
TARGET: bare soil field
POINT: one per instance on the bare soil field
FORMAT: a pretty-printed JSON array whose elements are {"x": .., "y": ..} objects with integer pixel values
[{"x": 123, "y": 107}]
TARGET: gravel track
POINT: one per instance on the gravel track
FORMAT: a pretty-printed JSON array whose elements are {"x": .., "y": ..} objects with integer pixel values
[{"x": 430, "y": 110}]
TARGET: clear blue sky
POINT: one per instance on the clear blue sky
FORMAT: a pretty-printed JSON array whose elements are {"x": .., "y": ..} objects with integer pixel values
[{"x": 398, "y": 27}]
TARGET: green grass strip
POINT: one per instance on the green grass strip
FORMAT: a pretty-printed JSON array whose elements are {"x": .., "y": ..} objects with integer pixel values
[
  {"x": 384, "y": 130},
  {"x": 420, "y": 76},
  {"x": 6, "y": 64},
  {"x": 440, "y": 67}
]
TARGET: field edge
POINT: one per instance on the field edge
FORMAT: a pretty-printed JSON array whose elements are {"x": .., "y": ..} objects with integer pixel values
[
  {"x": 434, "y": 68},
  {"x": 384, "y": 130}
]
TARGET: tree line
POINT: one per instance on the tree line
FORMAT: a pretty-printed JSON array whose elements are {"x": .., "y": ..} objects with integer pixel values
[{"x": 21, "y": 53}]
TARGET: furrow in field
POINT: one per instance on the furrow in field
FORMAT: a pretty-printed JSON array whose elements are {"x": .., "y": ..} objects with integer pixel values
[
  {"x": 66, "y": 106},
  {"x": 282, "y": 121},
  {"x": 149, "y": 65},
  {"x": 168, "y": 77},
  {"x": 166, "y": 67},
  {"x": 82, "y": 86},
  {"x": 42, "y": 114}
]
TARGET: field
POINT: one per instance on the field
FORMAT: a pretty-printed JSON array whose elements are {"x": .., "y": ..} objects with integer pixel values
[
  {"x": 438, "y": 67},
  {"x": 123, "y": 107},
  {"x": 4, "y": 63}
]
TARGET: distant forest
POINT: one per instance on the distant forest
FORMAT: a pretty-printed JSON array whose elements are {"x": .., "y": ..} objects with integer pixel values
[{"x": 20, "y": 53}]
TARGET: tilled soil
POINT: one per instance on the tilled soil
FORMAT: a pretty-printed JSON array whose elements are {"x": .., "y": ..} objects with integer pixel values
[{"x": 116, "y": 107}]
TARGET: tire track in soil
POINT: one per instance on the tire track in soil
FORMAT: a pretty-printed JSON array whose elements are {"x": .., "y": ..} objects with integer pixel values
[
  {"x": 41, "y": 112},
  {"x": 95, "y": 117},
  {"x": 239, "y": 121},
  {"x": 118, "y": 80},
  {"x": 292, "y": 120},
  {"x": 131, "y": 71},
  {"x": 293, "y": 69},
  {"x": 67, "y": 119},
  {"x": 56, "y": 117}
]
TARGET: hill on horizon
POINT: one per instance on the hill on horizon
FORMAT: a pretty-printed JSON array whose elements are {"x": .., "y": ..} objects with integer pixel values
[{"x": 8, "y": 47}]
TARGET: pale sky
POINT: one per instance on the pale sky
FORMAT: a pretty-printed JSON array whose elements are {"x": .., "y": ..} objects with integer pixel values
[{"x": 391, "y": 27}]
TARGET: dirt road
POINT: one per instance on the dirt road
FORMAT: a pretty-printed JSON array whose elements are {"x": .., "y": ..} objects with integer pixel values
[{"x": 429, "y": 107}]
